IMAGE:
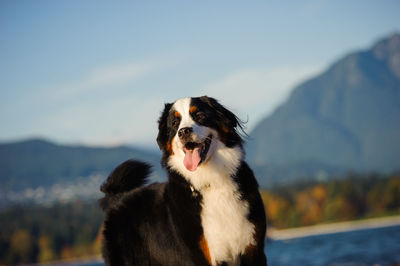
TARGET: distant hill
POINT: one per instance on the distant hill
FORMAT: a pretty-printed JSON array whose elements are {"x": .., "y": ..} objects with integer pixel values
[
  {"x": 345, "y": 118},
  {"x": 40, "y": 163}
]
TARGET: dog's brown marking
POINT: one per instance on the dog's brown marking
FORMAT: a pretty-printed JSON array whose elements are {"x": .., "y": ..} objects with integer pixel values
[
  {"x": 250, "y": 250},
  {"x": 192, "y": 109},
  {"x": 225, "y": 129},
  {"x": 168, "y": 147},
  {"x": 204, "y": 248},
  {"x": 177, "y": 114}
]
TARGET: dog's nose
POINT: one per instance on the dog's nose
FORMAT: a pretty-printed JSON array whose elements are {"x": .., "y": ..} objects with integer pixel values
[{"x": 185, "y": 132}]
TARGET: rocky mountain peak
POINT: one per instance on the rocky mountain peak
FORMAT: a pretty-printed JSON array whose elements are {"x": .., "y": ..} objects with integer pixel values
[{"x": 389, "y": 50}]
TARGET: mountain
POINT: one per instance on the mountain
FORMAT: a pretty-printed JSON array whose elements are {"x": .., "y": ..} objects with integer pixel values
[
  {"x": 348, "y": 117},
  {"x": 40, "y": 163}
]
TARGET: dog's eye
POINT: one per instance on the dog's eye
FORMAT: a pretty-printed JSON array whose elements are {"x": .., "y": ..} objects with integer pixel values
[
  {"x": 175, "y": 123},
  {"x": 200, "y": 115}
]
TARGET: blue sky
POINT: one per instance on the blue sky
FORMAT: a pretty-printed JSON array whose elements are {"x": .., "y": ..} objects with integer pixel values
[{"x": 98, "y": 72}]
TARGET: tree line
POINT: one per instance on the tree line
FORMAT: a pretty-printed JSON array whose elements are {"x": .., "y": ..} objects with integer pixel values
[
  {"x": 354, "y": 197},
  {"x": 41, "y": 234}
]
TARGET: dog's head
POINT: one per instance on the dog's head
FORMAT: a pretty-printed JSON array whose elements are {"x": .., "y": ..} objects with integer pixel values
[{"x": 191, "y": 130}]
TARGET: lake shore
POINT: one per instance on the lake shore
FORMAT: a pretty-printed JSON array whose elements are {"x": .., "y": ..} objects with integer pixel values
[{"x": 332, "y": 228}]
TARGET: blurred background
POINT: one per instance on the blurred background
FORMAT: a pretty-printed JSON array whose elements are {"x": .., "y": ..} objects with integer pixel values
[{"x": 82, "y": 84}]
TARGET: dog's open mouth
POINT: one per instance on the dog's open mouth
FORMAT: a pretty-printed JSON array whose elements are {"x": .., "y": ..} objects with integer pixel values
[{"x": 196, "y": 153}]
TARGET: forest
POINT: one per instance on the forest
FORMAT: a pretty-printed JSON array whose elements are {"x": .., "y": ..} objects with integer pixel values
[
  {"x": 351, "y": 198},
  {"x": 65, "y": 231}
]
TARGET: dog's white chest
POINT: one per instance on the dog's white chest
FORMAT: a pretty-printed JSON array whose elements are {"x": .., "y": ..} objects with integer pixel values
[{"x": 226, "y": 227}]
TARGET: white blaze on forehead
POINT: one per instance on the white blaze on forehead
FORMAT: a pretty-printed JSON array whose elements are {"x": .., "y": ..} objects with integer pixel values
[{"x": 183, "y": 107}]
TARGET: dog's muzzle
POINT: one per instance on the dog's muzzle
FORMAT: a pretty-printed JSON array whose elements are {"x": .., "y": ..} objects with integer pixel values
[{"x": 195, "y": 152}]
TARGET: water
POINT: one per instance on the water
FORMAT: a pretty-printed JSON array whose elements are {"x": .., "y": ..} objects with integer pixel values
[{"x": 363, "y": 247}]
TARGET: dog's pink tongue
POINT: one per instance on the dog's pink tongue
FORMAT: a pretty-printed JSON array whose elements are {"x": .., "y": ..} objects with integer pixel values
[{"x": 192, "y": 159}]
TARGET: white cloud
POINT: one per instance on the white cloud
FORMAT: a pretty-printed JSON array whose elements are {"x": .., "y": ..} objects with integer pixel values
[
  {"x": 255, "y": 93},
  {"x": 104, "y": 78}
]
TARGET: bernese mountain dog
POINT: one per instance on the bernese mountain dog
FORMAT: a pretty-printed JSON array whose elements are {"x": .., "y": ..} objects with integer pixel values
[{"x": 209, "y": 212}]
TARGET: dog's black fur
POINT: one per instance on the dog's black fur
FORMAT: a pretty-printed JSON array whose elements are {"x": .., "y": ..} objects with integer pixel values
[{"x": 161, "y": 224}]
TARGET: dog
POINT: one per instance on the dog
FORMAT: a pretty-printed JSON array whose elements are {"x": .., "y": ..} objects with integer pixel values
[{"x": 209, "y": 212}]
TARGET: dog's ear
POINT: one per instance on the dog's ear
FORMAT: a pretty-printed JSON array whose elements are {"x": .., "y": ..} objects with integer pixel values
[
  {"x": 162, "y": 137},
  {"x": 230, "y": 125},
  {"x": 228, "y": 118}
]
